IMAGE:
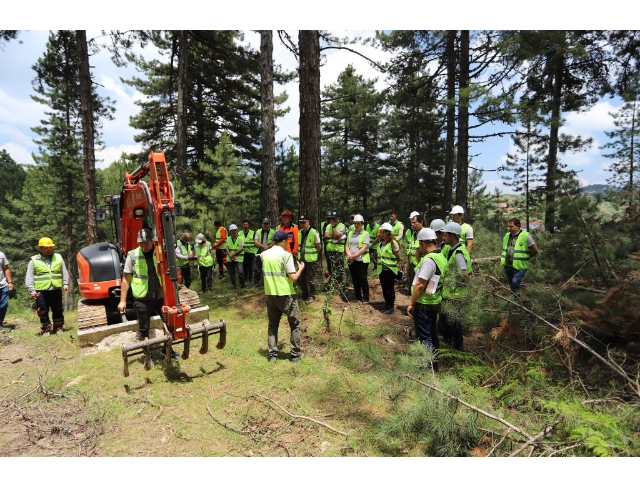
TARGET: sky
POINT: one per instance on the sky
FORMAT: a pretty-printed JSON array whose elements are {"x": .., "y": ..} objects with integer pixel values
[{"x": 19, "y": 113}]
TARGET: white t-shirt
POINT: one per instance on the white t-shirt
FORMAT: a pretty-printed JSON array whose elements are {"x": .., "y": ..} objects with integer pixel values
[
  {"x": 355, "y": 240},
  {"x": 3, "y": 262},
  {"x": 425, "y": 270}
]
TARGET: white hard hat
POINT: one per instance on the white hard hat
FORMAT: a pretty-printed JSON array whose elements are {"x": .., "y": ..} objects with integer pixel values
[
  {"x": 358, "y": 218},
  {"x": 386, "y": 226},
  {"x": 426, "y": 234},
  {"x": 413, "y": 213},
  {"x": 453, "y": 227},
  {"x": 199, "y": 238},
  {"x": 233, "y": 227},
  {"x": 437, "y": 225},
  {"x": 456, "y": 209}
]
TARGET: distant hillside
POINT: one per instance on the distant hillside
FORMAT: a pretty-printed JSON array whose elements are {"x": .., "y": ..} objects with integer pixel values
[{"x": 596, "y": 188}]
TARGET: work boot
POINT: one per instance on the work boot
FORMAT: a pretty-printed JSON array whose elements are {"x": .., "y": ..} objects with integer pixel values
[{"x": 44, "y": 329}]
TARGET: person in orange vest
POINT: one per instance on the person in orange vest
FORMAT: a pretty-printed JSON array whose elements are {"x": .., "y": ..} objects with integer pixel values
[
  {"x": 291, "y": 229},
  {"x": 220, "y": 245}
]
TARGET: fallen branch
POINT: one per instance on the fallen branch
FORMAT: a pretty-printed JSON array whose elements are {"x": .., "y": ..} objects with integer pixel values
[
  {"x": 533, "y": 440},
  {"x": 240, "y": 432},
  {"x": 591, "y": 290},
  {"x": 298, "y": 416},
  {"x": 571, "y": 278},
  {"x": 471, "y": 406},
  {"x": 499, "y": 443},
  {"x": 615, "y": 367}
]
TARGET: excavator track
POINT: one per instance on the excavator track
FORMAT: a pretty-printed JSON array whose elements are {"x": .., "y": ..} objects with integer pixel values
[{"x": 94, "y": 314}]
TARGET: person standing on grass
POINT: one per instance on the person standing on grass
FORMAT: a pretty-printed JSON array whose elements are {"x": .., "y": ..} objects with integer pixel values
[
  {"x": 6, "y": 285},
  {"x": 235, "y": 255},
  {"x": 357, "y": 250},
  {"x": 250, "y": 250},
  {"x": 373, "y": 229},
  {"x": 46, "y": 278},
  {"x": 309, "y": 250},
  {"x": 518, "y": 248},
  {"x": 205, "y": 254},
  {"x": 280, "y": 273},
  {"x": 220, "y": 246},
  {"x": 426, "y": 292},
  {"x": 466, "y": 237},
  {"x": 387, "y": 268},
  {"x": 184, "y": 252},
  {"x": 336, "y": 235},
  {"x": 263, "y": 240}
]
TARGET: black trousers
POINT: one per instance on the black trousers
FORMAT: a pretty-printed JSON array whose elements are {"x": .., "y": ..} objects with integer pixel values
[
  {"x": 387, "y": 282},
  {"x": 358, "y": 272},
  {"x": 247, "y": 266},
  {"x": 50, "y": 301},
  {"x": 233, "y": 267},
  {"x": 145, "y": 309},
  {"x": 186, "y": 275},
  {"x": 451, "y": 331},
  {"x": 308, "y": 279},
  {"x": 206, "y": 277},
  {"x": 220, "y": 253}
]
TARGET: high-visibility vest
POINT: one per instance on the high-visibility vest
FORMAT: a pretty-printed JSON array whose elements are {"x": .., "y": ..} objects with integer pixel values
[
  {"x": 452, "y": 288},
  {"x": 249, "y": 244},
  {"x": 521, "y": 252},
  {"x": 463, "y": 234},
  {"x": 184, "y": 250},
  {"x": 220, "y": 233},
  {"x": 335, "y": 247},
  {"x": 395, "y": 229},
  {"x": 258, "y": 237},
  {"x": 441, "y": 270},
  {"x": 44, "y": 276},
  {"x": 413, "y": 244},
  {"x": 387, "y": 257},
  {"x": 140, "y": 276},
  {"x": 274, "y": 268},
  {"x": 372, "y": 230},
  {"x": 233, "y": 246},
  {"x": 444, "y": 250},
  {"x": 365, "y": 257},
  {"x": 309, "y": 246},
  {"x": 204, "y": 254}
]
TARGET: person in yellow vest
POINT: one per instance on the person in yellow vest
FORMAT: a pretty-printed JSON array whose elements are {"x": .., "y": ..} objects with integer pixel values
[
  {"x": 235, "y": 255},
  {"x": 437, "y": 225},
  {"x": 413, "y": 246},
  {"x": 308, "y": 252},
  {"x": 263, "y": 240},
  {"x": 426, "y": 292},
  {"x": 336, "y": 235},
  {"x": 184, "y": 254},
  {"x": 373, "y": 229},
  {"x": 397, "y": 226},
  {"x": 6, "y": 287},
  {"x": 387, "y": 268},
  {"x": 466, "y": 237},
  {"x": 250, "y": 250},
  {"x": 454, "y": 286},
  {"x": 280, "y": 273},
  {"x": 142, "y": 275},
  {"x": 220, "y": 245},
  {"x": 357, "y": 250},
  {"x": 517, "y": 248},
  {"x": 46, "y": 278},
  {"x": 205, "y": 254}
]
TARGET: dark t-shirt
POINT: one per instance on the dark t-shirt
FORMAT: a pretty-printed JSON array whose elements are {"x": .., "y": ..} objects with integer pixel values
[{"x": 155, "y": 289}]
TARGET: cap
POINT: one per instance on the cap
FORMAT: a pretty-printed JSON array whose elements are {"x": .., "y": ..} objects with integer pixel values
[
  {"x": 456, "y": 209},
  {"x": 280, "y": 235},
  {"x": 266, "y": 220},
  {"x": 413, "y": 213},
  {"x": 199, "y": 238},
  {"x": 302, "y": 218},
  {"x": 358, "y": 218},
  {"x": 386, "y": 226},
  {"x": 335, "y": 214},
  {"x": 426, "y": 234},
  {"x": 145, "y": 236},
  {"x": 437, "y": 225},
  {"x": 453, "y": 227},
  {"x": 233, "y": 226},
  {"x": 285, "y": 213},
  {"x": 328, "y": 214}
]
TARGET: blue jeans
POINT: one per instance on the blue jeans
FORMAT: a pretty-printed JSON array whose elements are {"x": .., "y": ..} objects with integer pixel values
[
  {"x": 514, "y": 277},
  {"x": 425, "y": 323},
  {"x": 4, "y": 302}
]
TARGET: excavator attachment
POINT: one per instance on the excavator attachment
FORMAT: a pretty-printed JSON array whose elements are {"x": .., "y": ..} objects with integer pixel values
[{"x": 202, "y": 331}]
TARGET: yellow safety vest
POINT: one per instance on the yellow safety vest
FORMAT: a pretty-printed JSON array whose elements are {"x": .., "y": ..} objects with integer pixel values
[{"x": 44, "y": 276}]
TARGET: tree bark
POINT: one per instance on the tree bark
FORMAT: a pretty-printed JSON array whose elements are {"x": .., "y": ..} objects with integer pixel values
[
  {"x": 451, "y": 121},
  {"x": 309, "y": 46},
  {"x": 269, "y": 181},
  {"x": 88, "y": 131},
  {"x": 181, "y": 123},
  {"x": 552, "y": 160},
  {"x": 462, "y": 172}
]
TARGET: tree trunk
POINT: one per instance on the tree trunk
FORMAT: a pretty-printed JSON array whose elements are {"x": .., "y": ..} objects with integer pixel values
[
  {"x": 309, "y": 46},
  {"x": 552, "y": 163},
  {"x": 462, "y": 172},
  {"x": 88, "y": 154},
  {"x": 269, "y": 181},
  {"x": 451, "y": 121},
  {"x": 631, "y": 162},
  {"x": 181, "y": 123}
]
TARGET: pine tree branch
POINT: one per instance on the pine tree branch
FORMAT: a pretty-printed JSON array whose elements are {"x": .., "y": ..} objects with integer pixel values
[
  {"x": 355, "y": 52},
  {"x": 533, "y": 440},
  {"x": 471, "y": 406}
]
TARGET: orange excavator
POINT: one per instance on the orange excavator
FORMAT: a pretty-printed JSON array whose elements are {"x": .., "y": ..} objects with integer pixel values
[{"x": 141, "y": 205}]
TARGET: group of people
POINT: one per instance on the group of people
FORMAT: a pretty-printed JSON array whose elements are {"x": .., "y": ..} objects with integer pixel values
[{"x": 438, "y": 266}]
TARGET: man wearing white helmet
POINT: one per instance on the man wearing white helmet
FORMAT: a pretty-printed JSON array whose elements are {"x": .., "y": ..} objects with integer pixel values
[
  {"x": 206, "y": 255},
  {"x": 426, "y": 292},
  {"x": 235, "y": 255},
  {"x": 437, "y": 225},
  {"x": 454, "y": 286},
  {"x": 457, "y": 213}
]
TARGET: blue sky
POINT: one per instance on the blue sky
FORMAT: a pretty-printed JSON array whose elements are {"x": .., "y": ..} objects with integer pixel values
[{"x": 18, "y": 113}]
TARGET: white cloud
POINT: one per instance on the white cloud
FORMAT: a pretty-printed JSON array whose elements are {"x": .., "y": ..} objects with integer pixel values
[
  {"x": 110, "y": 154},
  {"x": 585, "y": 158},
  {"x": 20, "y": 112},
  {"x": 18, "y": 153},
  {"x": 590, "y": 123},
  {"x": 583, "y": 182}
]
